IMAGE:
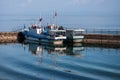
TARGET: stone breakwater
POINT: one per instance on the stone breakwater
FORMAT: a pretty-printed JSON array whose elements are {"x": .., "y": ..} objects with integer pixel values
[
  {"x": 10, "y": 37},
  {"x": 102, "y": 39}
]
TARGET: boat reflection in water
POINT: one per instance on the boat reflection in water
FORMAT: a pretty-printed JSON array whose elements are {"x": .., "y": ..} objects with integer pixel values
[
  {"x": 60, "y": 50},
  {"x": 74, "y": 50}
]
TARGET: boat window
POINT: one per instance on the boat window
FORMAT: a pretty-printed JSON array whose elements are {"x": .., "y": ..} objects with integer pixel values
[
  {"x": 61, "y": 28},
  {"x": 78, "y": 32},
  {"x": 60, "y": 33}
]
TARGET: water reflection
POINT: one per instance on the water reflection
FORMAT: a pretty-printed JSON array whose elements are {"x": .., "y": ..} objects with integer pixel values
[
  {"x": 53, "y": 62},
  {"x": 61, "y": 50},
  {"x": 75, "y": 50}
]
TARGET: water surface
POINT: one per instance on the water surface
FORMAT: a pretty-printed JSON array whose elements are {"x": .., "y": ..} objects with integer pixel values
[{"x": 32, "y": 61}]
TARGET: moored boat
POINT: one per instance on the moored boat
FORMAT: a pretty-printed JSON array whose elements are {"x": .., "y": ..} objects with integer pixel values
[
  {"x": 49, "y": 34},
  {"x": 74, "y": 35}
]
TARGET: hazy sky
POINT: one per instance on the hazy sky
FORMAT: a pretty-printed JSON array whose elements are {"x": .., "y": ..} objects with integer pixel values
[{"x": 63, "y": 6}]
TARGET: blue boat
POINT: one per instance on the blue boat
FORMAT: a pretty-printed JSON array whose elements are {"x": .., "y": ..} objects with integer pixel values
[{"x": 49, "y": 34}]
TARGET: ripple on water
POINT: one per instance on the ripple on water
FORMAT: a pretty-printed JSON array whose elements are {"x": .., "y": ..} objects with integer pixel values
[{"x": 24, "y": 65}]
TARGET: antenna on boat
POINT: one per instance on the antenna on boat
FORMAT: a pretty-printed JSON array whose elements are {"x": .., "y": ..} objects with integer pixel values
[
  {"x": 40, "y": 22},
  {"x": 24, "y": 26},
  {"x": 54, "y": 18}
]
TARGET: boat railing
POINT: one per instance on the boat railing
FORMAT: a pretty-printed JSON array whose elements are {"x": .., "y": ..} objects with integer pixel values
[{"x": 67, "y": 28}]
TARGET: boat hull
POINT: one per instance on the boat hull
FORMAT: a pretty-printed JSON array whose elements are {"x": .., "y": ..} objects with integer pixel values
[
  {"x": 44, "y": 40},
  {"x": 75, "y": 39},
  {"x": 55, "y": 42}
]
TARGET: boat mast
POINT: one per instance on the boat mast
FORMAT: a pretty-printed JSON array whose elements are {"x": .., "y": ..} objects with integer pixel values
[
  {"x": 40, "y": 22},
  {"x": 54, "y": 18}
]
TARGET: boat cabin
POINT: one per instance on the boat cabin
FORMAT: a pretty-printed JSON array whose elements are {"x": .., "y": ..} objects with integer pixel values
[
  {"x": 75, "y": 35},
  {"x": 76, "y": 32}
]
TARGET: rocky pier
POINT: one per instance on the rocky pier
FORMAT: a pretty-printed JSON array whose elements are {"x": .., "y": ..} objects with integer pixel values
[
  {"x": 10, "y": 37},
  {"x": 106, "y": 39}
]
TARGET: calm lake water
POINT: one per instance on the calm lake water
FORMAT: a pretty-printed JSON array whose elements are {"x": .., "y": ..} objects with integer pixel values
[
  {"x": 32, "y": 61},
  {"x": 15, "y": 22}
]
